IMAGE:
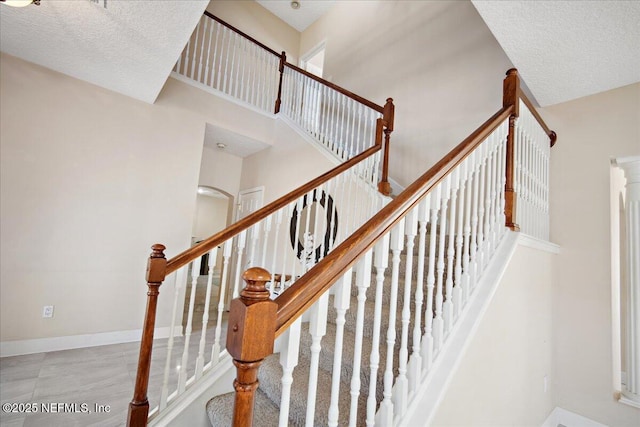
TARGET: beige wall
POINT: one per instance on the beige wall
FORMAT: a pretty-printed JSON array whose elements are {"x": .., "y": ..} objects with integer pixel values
[
  {"x": 256, "y": 21},
  {"x": 591, "y": 131},
  {"x": 211, "y": 216},
  {"x": 500, "y": 381},
  {"x": 90, "y": 179},
  {"x": 445, "y": 82},
  {"x": 220, "y": 170},
  {"x": 283, "y": 167}
]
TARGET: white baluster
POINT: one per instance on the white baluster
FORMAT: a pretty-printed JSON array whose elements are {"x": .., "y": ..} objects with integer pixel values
[
  {"x": 352, "y": 129},
  {"x": 260, "y": 90},
  {"x": 200, "y": 62},
  {"x": 427, "y": 342},
  {"x": 466, "y": 257},
  {"x": 363, "y": 281},
  {"x": 438, "y": 321},
  {"x": 185, "y": 69},
  {"x": 179, "y": 63},
  {"x": 291, "y": 208},
  {"x": 207, "y": 73},
  {"x": 241, "y": 86},
  {"x": 195, "y": 50},
  {"x": 341, "y": 300},
  {"x": 401, "y": 388},
  {"x": 342, "y": 140},
  {"x": 253, "y": 71},
  {"x": 381, "y": 262},
  {"x": 503, "y": 180},
  {"x": 205, "y": 316},
  {"x": 334, "y": 122},
  {"x": 482, "y": 183},
  {"x": 266, "y": 225},
  {"x": 447, "y": 309},
  {"x": 317, "y": 329},
  {"x": 240, "y": 243},
  {"x": 458, "y": 289},
  {"x": 216, "y": 63},
  {"x": 224, "y": 84},
  {"x": 288, "y": 360},
  {"x": 488, "y": 195},
  {"x": 474, "y": 222},
  {"x": 415, "y": 361},
  {"x": 233, "y": 69},
  {"x": 226, "y": 254},
  {"x": 180, "y": 279},
  {"x": 495, "y": 182},
  {"x": 182, "y": 377},
  {"x": 276, "y": 234},
  {"x": 396, "y": 244},
  {"x": 253, "y": 242}
]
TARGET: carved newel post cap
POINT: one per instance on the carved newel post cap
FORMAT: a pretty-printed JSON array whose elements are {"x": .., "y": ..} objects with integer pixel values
[
  {"x": 256, "y": 279},
  {"x": 512, "y": 71},
  {"x": 389, "y": 100},
  {"x": 156, "y": 265},
  {"x": 158, "y": 250}
]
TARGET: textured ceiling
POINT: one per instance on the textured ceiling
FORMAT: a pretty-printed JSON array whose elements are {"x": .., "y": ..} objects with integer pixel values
[
  {"x": 568, "y": 49},
  {"x": 130, "y": 47},
  {"x": 300, "y": 19},
  {"x": 236, "y": 144}
]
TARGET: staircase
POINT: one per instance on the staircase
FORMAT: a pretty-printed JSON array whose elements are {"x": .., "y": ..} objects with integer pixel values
[
  {"x": 268, "y": 395},
  {"x": 379, "y": 287}
]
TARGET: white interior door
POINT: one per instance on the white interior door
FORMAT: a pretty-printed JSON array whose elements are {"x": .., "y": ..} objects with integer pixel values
[{"x": 249, "y": 201}]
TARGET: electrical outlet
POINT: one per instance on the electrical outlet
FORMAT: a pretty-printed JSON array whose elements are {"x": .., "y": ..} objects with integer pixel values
[{"x": 47, "y": 311}]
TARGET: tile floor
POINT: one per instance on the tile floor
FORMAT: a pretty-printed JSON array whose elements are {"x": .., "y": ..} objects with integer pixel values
[{"x": 102, "y": 375}]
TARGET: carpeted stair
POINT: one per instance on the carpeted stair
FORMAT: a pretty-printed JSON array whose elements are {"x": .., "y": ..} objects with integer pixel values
[{"x": 266, "y": 413}]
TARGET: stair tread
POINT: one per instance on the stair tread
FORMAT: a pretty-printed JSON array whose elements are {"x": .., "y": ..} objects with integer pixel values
[
  {"x": 220, "y": 410},
  {"x": 271, "y": 369}
]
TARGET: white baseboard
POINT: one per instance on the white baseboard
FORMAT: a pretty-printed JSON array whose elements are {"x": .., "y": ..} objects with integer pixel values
[
  {"x": 42, "y": 345},
  {"x": 562, "y": 417}
]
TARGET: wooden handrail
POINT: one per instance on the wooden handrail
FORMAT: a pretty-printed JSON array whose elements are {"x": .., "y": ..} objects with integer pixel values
[
  {"x": 217, "y": 239},
  {"x": 295, "y": 300},
  {"x": 530, "y": 106},
  {"x": 337, "y": 88},
  {"x": 333, "y": 86},
  {"x": 243, "y": 34}
]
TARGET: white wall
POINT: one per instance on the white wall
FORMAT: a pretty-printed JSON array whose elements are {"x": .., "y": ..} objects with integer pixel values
[
  {"x": 445, "y": 81},
  {"x": 286, "y": 165},
  {"x": 591, "y": 131},
  {"x": 220, "y": 170},
  {"x": 500, "y": 381},
  {"x": 90, "y": 179}
]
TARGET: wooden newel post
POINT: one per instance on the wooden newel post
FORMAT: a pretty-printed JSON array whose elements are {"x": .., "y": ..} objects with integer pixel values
[
  {"x": 388, "y": 115},
  {"x": 511, "y": 97},
  {"x": 156, "y": 271},
  {"x": 283, "y": 60},
  {"x": 250, "y": 337}
]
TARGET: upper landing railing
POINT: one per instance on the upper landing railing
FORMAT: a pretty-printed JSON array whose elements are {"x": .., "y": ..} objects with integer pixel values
[{"x": 218, "y": 56}]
